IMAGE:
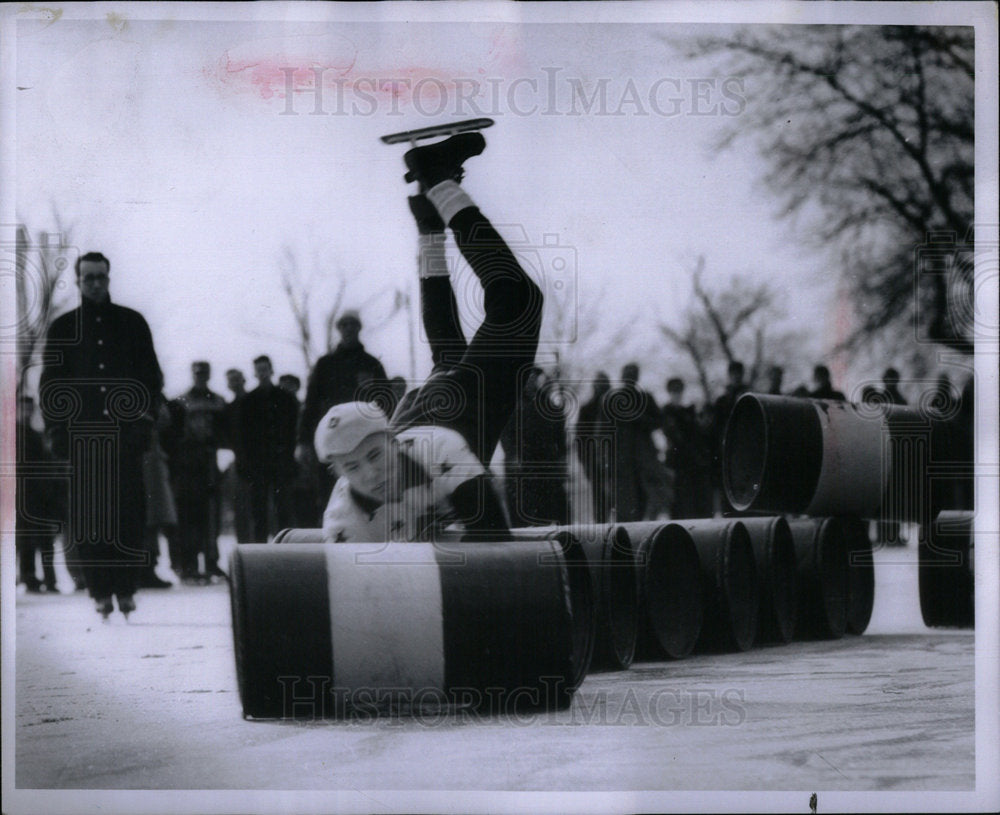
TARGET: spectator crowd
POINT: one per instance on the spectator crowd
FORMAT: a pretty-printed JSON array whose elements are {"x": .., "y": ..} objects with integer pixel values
[{"x": 620, "y": 456}]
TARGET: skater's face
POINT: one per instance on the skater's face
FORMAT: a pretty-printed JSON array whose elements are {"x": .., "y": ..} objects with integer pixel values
[{"x": 366, "y": 466}]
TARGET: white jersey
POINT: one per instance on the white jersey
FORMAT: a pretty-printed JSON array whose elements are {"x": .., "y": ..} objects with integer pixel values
[{"x": 432, "y": 462}]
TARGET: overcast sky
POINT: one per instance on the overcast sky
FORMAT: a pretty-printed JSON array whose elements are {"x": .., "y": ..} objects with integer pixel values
[
  {"x": 175, "y": 149},
  {"x": 194, "y": 151}
]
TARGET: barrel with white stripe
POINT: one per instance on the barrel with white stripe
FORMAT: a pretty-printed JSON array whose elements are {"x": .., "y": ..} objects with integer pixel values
[
  {"x": 818, "y": 457},
  {"x": 821, "y": 558},
  {"x": 774, "y": 553},
  {"x": 578, "y": 573},
  {"x": 729, "y": 581},
  {"x": 333, "y": 629},
  {"x": 671, "y": 596}
]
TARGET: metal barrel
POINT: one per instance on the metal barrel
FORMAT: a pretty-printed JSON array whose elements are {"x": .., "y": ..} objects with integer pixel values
[
  {"x": 584, "y": 612},
  {"x": 818, "y": 457},
  {"x": 729, "y": 582},
  {"x": 582, "y": 604},
  {"x": 328, "y": 630},
  {"x": 822, "y": 578},
  {"x": 774, "y": 554},
  {"x": 945, "y": 571},
  {"x": 670, "y": 593},
  {"x": 611, "y": 562},
  {"x": 860, "y": 575}
]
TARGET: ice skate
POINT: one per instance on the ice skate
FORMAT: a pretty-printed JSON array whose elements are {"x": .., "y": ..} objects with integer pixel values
[
  {"x": 126, "y": 604},
  {"x": 442, "y": 161},
  {"x": 104, "y": 607}
]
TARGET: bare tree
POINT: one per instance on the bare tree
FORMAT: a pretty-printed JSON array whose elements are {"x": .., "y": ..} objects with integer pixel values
[
  {"x": 41, "y": 289},
  {"x": 325, "y": 285},
  {"x": 735, "y": 321},
  {"x": 691, "y": 341},
  {"x": 576, "y": 336},
  {"x": 298, "y": 292},
  {"x": 868, "y": 131}
]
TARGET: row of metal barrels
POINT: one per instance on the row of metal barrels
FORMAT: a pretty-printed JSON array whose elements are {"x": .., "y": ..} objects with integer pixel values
[
  {"x": 327, "y": 629},
  {"x": 723, "y": 584}
]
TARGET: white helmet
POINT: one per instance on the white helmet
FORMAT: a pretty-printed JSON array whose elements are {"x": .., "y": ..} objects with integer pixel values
[{"x": 345, "y": 426}]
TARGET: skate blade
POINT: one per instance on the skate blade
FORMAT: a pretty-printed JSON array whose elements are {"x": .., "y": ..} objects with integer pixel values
[{"x": 437, "y": 130}]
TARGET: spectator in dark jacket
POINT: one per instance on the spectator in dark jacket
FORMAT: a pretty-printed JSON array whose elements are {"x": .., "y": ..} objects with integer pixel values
[
  {"x": 641, "y": 483},
  {"x": 594, "y": 445},
  {"x": 267, "y": 445},
  {"x": 534, "y": 445},
  {"x": 236, "y": 483},
  {"x": 304, "y": 487},
  {"x": 38, "y": 512},
  {"x": 161, "y": 509},
  {"x": 347, "y": 374},
  {"x": 775, "y": 379},
  {"x": 890, "y": 532},
  {"x": 688, "y": 455},
  {"x": 97, "y": 393},
  {"x": 823, "y": 388},
  {"x": 199, "y": 429},
  {"x": 890, "y": 379}
]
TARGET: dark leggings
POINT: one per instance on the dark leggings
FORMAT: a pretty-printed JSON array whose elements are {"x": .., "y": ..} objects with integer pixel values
[{"x": 475, "y": 386}]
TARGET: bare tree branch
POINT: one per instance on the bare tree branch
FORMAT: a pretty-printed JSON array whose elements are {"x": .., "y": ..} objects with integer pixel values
[
  {"x": 875, "y": 125},
  {"x": 330, "y": 323},
  {"x": 39, "y": 267}
]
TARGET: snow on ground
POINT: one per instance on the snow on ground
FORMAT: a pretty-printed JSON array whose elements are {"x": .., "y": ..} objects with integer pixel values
[{"x": 152, "y": 704}]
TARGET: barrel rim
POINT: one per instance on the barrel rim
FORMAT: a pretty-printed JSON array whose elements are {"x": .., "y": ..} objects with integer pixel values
[
  {"x": 746, "y": 402},
  {"x": 657, "y": 541},
  {"x": 620, "y": 592},
  {"x": 743, "y": 627}
]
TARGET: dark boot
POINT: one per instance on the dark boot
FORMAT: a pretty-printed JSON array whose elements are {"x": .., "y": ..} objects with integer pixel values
[{"x": 442, "y": 161}]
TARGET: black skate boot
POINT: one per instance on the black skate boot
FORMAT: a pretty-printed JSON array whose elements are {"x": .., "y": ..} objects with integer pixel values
[
  {"x": 126, "y": 604},
  {"x": 442, "y": 161},
  {"x": 104, "y": 606}
]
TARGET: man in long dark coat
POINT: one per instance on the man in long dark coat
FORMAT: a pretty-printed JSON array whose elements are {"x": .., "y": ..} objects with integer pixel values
[{"x": 97, "y": 393}]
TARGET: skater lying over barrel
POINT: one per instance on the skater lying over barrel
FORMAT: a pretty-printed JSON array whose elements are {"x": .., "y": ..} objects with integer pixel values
[{"x": 406, "y": 478}]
